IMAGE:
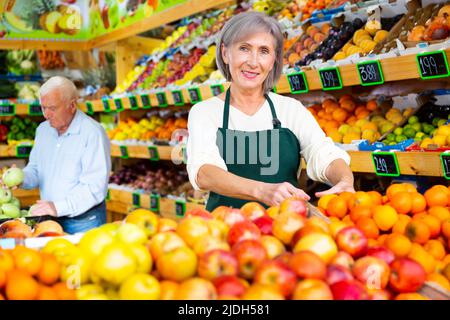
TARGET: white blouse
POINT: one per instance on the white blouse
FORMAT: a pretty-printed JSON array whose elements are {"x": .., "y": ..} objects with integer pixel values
[{"x": 206, "y": 117}]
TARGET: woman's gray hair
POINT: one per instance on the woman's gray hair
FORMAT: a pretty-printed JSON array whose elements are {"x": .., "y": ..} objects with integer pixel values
[{"x": 240, "y": 27}]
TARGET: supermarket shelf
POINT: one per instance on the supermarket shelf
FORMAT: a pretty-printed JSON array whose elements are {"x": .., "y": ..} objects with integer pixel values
[
  {"x": 143, "y": 152},
  {"x": 22, "y": 109}
]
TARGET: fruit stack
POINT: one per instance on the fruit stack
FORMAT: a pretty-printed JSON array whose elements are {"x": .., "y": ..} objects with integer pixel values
[
  {"x": 9, "y": 205},
  {"x": 19, "y": 230},
  {"x": 402, "y": 225},
  {"x": 435, "y": 29},
  {"x": 313, "y": 5}
]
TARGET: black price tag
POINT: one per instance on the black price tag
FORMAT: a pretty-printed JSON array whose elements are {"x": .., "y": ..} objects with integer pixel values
[
  {"x": 145, "y": 99},
  {"x": 154, "y": 202},
  {"x": 195, "y": 95},
  {"x": 35, "y": 109},
  {"x": 162, "y": 99},
  {"x": 370, "y": 73},
  {"x": 432, "y": 65},
  {"x": 7, "y": 109},
  {"x": 385, "y": 164},
  {"x": 184, "y": 154},
  {"x": 136, "y": 199},
  {"x": 133, "y": 103},
  {"x": 89, "y": 108},
  {"x": 330, "y": 79},
  {"x": 118, "y": 104},
  {"x": 106, "y": 106},
  {"x": 153, "y": 153},
  {"x": 124, "y": 152},
  {"x": 297, "y": 82},
  {"x": 180, "y": 208},
  {"x": 23, "y": 151},
  {"x": 178, "y": 98},
  {"x": 445, "y": 160},
  {"x": 108, "y": 196},
  {"x": 216, "y": 89}
]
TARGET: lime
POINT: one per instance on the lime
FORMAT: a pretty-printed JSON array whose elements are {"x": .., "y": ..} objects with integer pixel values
[
  {"x": 407, "y": 127},
  {"x": 386, "y": 142},
  {"x": 441, "y": 122},
  {"x": 413, "y": 119},
  {"x": 435, "y": 121},
  {"x": 417, "y": 126},
  {"x": 409, "y": 132},
  {"x": 400, "y": 138},
  {"x": 398, "y": 131},
  {"x": 390, "y": 137},
  {"x": 419, "y": 135},
  {"x": 427, "y": 128},
  {"x": 392, "y": 143}
]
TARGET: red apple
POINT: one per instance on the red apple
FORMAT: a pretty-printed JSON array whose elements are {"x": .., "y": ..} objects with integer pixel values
[
  {"x": 343, "y": 259},
  {"x": 312, "y": 289},
  {"x": 308, "y": 265},
  {"x": 199, "y": 213},
  {"x": 277, "y": 274},
  {"x": 253, "y": 210},
  {"x": 164, "y": 242},
  {"x": 230, "y": 286},
  {"x": 305, "y": 230},
  {"x": 352, "y": 240},
  {"x": 336, "y": 273},
  {"x": 249, "y": 254},
  {"x": 349, "y": 290},
  {"x": 371, "y": 271},
  {"x": 216, "y": 263},
  {"x": 230, "y": 216},
  {"x": 286, "y": 224},
  {"x": 196, "y": 289},
  {"x": 295, "y": 205},
  {"x": 264, "y": 224},
  {"x": 273, "y": 246},
  {"x": 245, "y": 230},
  {"x": 406, "y": 275},
  {"x": 382, "y": 253}
]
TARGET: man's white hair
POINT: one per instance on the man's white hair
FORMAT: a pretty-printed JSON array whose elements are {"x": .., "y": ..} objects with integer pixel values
[{"x": 66, "y": 87}]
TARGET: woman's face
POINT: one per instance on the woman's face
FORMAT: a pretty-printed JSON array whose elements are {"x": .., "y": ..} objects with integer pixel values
[{"x": 250, "y": 60}]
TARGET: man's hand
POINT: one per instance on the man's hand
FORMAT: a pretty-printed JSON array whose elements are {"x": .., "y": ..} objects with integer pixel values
[
  {"x": 272, "y": 194},
  {"x": 44, "y": 208},
  {"x": 338, "y": 188}
]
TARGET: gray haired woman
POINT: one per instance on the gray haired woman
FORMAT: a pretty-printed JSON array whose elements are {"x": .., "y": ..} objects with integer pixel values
[{"x": 246, "y": 144}]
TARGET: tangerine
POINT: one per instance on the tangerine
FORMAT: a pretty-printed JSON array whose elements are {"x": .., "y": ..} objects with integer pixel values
[
  {"x": 385, "y": 217},
  {"x": 368, "y": 227},
  {"x": 46, "y": 293},
  {"x": 439, "y": 279},
  {"x": 50, "y": 270},
  {"x": 419, "y": 203},
  {"x": 6, "y": 261},
  {"x": 63, "y": 292},
  {"x": 435, "y": 248},
  {"x": 422, "y": 257},
  {"x": 417, "y": 231},
  {"x": 27, "y": 260},
  {"x": 436, "y": 196},
  {"x": 2, "y": 278},
  {"x": 393, "y": 189},
  {"x": 402, "y": 202},
  {"x": 21, "y": 286},
  {"x": 337, "y": 207},
  {"x": 359, "y": 211},
  {"x": 433, "y": 223},
  {"x": 399, "y": 244},
  {"x": 400, "y": 226},
  {"x": 439, "y": 212},
  {"x": 324, "y": 200},
  {"x": 446, "y": 228},
  {"x": 377, "y": 198}
]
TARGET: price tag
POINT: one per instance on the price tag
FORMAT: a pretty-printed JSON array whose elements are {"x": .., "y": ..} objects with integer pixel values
[
  {"x": 184, "y": 154},
  {"x": 124, "y": 152},
  {"x": 7, "y": 109},
  {"x": 195, "y": 95},
  {"x": 108, "y": 196},
  {"x": 133, "y": 103},
  {"x": 162, "y": 99},
  {"x": 136, "y": 199},
  {"x": 154, "y": 202},
  {"x": 145, "y": 99},
  {"x": 432, "y": 65},
  {"x": 445, "y": 160},
  {"x": 297, "y": 82},
  {"x": 274, "y": 89},
  {"x": 23, "y": 151},
  {"x": 106, "y": 106},
  {"x": 370, "y": 73},
  {"x": 89, "y": 108},
  {"x": 216, "y": 89},
  {"x": 330, "y": 78},
  {"x": 118, "y": 104},
  {"x": 35, "y": 109},
  {"x": 178, "y": 98},
  {"x": 180, "y": 208},
  {"x": 153, "y": 152},
  {"x": 385, "y": 164},
  {"x": 9, "y": 243}
]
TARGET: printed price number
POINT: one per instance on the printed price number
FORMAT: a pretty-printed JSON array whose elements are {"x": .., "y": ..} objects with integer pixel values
[
  {"x": 180, "y": 208},
  {"x": 136, "y": 199},
  {"x": 330, "y": 79},
  {"x": 195, "y": 95},
  {"x": 178, "y": 97},
  {"x": 153, "y": 153},
  {"x": 89, "y": 108},
  {"x": 7, "y": 109},
  {"x": 133, "y": 103},
  {"x": 145, "y": 99},
  {"x": 124, "y": 152},
  {"x": 297, "y": 82},
  {"x": 106, "y": 106},
  {"x": 216, "y": 89},
  {"x": 162, "y": 99},
  {"x": 432, "y": 65},
  {"x": 23, "y": 151},
  {"x": 35, "y": 109},
  {"x": 119, "y": 105},
  {"x": 370, "y": 73},
  {"x": 385, "y": 164},
  {"x": 154, "y": 202}
]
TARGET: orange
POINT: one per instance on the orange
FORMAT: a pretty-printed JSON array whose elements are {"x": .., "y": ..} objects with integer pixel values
[
  {"x": 337, "y": 207},
  {"x": 377, "y": 198},
  {"x": 348, "y": 221},
  {"x": 46, "y": 293},
  {"x": 363, "y": 198},
  {"x": 381, "y": 239},
  {"x": 340, "y": 115},
  {"x": 2, "y": 278},
  {"x": 437, "y": 196},
  {"x": 50, "y": 269},
  {"x": 409, "y": 187},
  {"x": 433, "y": 223},
  {"x": 439, "y": 279},
  {"x": 360, "y": 211},
  {"x": 385, "y": 217},
  {"x": 400, "y": 226},
  {"x": 27, "y": 260},
  {"x": 422, "y": 257},
  {"x": 63, "y": 292},
  {"x": 323, "y": 201},
  {"x": 372, "y": 105},
  {"x": 348, "y": 105},
  {"x": 417, "y": 231},
  {"x": 435, "y": 248},
  {"x": 410, "y": 296},
  {"x": 398, "y": 244},
  {"x": 21, "y": 286},
  {"x": 368, "y": 227},
  {"x": 439, "y": 212},
  {"x": 402, "y": 202},
  {"x": 446, "y": 271},
  {"x": 335, "y": 227},
  {"x": 418, "y": 204},
  {"x": 446, "y": 228},
  {"x": 347, "y": 196},
  {"x": 384, "y": 199},
  {"x": 393, "y": 189},
  {"x": 6, "y": 261}
]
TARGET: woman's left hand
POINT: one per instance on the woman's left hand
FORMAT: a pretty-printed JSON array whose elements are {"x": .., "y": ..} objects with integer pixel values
[{"x": 340, "y": 187}]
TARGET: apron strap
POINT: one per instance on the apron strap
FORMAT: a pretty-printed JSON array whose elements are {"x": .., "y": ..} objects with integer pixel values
[{"x": 276, "y": 123}]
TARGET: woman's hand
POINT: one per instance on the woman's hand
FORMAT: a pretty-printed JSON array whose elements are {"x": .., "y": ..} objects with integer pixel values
[
  {"x": 272, "y": 194},
  {"x": 340, "y": 187}
]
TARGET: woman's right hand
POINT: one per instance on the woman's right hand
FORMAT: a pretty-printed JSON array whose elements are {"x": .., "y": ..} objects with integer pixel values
[{"x": 272, "y": 194}]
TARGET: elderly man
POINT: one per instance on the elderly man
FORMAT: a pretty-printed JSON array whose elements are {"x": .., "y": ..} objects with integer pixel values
[{"x": 70, "y": 161}]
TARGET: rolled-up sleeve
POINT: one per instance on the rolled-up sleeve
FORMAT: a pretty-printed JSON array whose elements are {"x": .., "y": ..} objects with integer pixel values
[{"x": 201, "y": 146}]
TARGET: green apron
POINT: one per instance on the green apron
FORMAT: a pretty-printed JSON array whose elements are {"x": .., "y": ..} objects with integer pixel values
[{"x": 249, "y": 144}]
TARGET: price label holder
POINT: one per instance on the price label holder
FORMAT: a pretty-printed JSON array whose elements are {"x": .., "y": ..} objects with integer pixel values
[
  {"x": 194, "y": 95},
  {"x": 297, "y": 82},
  {"x": 7, "y": 109},
  {"x": 35, "y": 109},
  {"x": 124, "y": 152},
  {"x": 162, "y": 99},
  {"x": 216, "y": 89},
  {"x": 370, "y": 73},
  {"x": 184, "y": 154},
  {"x": 153, "y": 153},
  {"x": 274, "y": 89},
  {"x": 180, "y": 208},
  {"x": 136, "y": 199},
  {"x": 145, "y": 99},
  {"x": 432, "y": 65},
  {"x": 154, "y": 202},
  {"x": 89, "y": 108},
  {"x": 133, "y": 103},
  {"x": 445, "y": 161},
  {"x": 108, "y": 196},
  {"x": 106, "y": 106},
  {"x": 385, "y": 164},
  {"x": 330, "y": 78},
  {"x": 9, "y": 243},
  {"x": 119, "y": 105},
  {"x": 178, "y": 98},
  {"x": 23, "y": 151}
]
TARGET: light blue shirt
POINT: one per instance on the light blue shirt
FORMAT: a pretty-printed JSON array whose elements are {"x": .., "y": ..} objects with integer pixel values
[{"x": 72, "y": 169}]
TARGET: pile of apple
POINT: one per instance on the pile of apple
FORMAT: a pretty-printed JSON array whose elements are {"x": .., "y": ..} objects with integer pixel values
[{"x": 10, "y": 205}]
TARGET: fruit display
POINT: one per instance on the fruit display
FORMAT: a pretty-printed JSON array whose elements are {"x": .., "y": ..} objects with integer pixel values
[
  {"x": 50, "y": 60},
  {"x": 310, "y": 6},
  {"x": 10, "y": 205},
  {"x": 290, "y": 11},
  {"x": 20, "y": 130},
  {"x": 18, "y": 229},
  {"x": 435, "y": 29}
]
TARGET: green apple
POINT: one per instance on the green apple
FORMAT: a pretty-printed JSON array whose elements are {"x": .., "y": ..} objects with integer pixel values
[
  {"x": 140, "y": 286},
  {"x": 10, "y": 210}
]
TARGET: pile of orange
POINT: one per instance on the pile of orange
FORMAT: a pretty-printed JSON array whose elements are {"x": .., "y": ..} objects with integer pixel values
[
  {"x": 409, "y": 223},
  {"x": 26, "y": 274}
]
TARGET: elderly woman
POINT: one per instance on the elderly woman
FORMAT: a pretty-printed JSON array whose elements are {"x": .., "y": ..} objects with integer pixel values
[{"x": 246, "y": 144}]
